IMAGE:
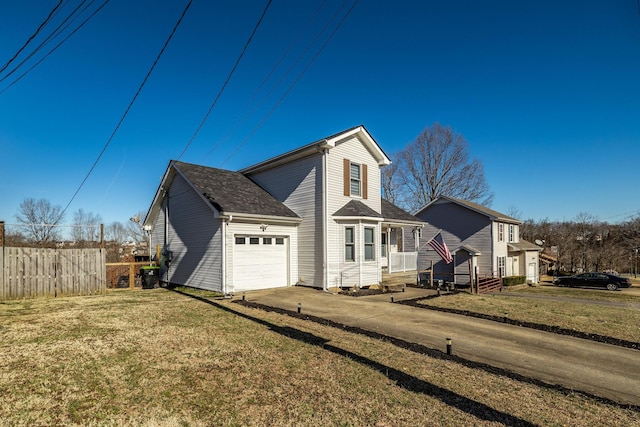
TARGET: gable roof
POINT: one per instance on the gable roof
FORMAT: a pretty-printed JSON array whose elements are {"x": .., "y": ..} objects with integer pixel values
[
  {"x": 470, "y": 249},
  {"x": 232, "y": 192},
  {"x": 228, "y": 192},
  {"x": 324, "y": 144},
  {"x": 493, "y": 215}
]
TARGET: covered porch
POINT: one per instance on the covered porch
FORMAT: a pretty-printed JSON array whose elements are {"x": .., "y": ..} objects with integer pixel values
[
  {"x": 400, "y": 234},
  {"x": 399, "y": 247}
]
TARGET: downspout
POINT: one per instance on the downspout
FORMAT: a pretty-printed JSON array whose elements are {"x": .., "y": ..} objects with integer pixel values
[
  {"x": 166, "y": 240},
  {"x": 360, "y": 253},
  {"x": 325, "y": 221},
  {"x": 223, "y": 267}
]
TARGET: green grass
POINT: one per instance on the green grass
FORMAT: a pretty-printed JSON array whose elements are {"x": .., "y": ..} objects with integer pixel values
[
  {"x": 579, "y": 293},
  {"x": 158, "y": 358},
  {"x": 570, "y": 312}
]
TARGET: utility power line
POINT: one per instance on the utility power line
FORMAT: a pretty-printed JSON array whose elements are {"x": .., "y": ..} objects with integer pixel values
[
  {"x": 215, "y": 101},
  {"x": 266, "y": 117},
  {"x": 40, "y": 27},
  {"x": 54, "y": 34},
  {"x": 133, "y": 100},
  {"x": 268, "y": 77}
]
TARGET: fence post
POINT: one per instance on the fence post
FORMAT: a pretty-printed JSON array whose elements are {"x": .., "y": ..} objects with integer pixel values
[
  {"x": 2, "y": 272},
  {"x": 476, "y": 280},
  {"x": 132, "y": 276},
  {"x": 431, "y": 275}
]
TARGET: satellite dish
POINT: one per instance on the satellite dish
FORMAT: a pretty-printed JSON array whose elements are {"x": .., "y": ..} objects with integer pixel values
[{"x": 539, "y": 242}]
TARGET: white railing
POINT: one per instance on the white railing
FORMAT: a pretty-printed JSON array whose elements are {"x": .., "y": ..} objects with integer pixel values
[{"x": 403, "y": 261}]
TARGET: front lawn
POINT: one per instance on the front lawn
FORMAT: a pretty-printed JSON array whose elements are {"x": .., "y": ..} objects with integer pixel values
[
  {"x": 569, "y": 311},
  {"x": 160, "y": 358}
]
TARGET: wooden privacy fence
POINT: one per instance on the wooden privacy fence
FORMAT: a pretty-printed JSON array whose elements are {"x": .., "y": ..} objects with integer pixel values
[
  {"x": 124, "y": 274},
  {"x": 42, "y": 272}
]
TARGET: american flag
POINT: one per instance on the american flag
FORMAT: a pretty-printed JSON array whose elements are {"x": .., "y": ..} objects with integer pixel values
[{"x": 438, "y": 244}]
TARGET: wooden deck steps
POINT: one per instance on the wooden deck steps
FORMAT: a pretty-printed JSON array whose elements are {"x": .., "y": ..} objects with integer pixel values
[{"x": 399, "y": 279}]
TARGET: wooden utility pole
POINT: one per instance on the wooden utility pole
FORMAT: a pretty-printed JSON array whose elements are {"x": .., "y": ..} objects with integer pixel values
[{"x": 2, "y": 279}]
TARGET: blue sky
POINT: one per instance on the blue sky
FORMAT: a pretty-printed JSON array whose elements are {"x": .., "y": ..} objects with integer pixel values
[{"x": 547, "y": 94}]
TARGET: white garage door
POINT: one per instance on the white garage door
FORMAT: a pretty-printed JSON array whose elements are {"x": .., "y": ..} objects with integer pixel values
[{"x": 259, "y": 262}]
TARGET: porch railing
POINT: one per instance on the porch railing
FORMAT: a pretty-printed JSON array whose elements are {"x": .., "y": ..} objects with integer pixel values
[{"x": 403, "y": 261}]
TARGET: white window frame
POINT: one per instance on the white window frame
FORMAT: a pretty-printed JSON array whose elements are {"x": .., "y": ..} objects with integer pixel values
[
  {"x": 512, "y": 229},
  {"x": 371, "y": 244},
  {"x": 355, "y": 179},
  {"x": 500, "y": 232},
  {"x": 502, "y": 266},
  {"x": 350, "y": 244}
]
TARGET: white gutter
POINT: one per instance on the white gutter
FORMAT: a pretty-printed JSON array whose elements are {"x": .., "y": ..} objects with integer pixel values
[{"x": 272, "y": 219}]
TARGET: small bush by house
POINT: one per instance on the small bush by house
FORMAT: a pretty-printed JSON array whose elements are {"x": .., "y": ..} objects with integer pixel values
[{"x": 514, "y": 280}]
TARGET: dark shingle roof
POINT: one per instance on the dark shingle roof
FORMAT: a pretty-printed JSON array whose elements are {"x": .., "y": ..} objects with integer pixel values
[
  {"x": 483, "y": 209},
  {"x": 356, "y": 208},
  {"x": 232, "y": 192},
  {"x": 392, "y": 212}
]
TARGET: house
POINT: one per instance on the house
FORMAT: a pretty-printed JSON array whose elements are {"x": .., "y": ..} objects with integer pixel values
[
  {"x": 312, "y": 217},
  {"x": 482, "y": 241}
]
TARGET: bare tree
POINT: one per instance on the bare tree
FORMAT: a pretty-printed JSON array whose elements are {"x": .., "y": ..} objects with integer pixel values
[
  {"x": 38, "y": 219},
  {"x": 437, "y": 163},
  {"x": 588, "y": 244},
  {"x": 389, "y": 183},
  {"x": 86, "y": 227},
  {"x": 134, "y": 228},
  {"x": 514, "y": 212},
  {"x": 116, "y": 232}
]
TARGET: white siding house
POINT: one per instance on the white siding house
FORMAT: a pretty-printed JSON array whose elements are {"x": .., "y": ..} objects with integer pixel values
[
  {"x": 310, "y": 217},
  {"x": 220, "y": 231}
]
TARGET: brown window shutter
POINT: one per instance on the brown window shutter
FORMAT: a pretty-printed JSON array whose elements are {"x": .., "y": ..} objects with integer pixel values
[
  {"x": 347, "y": 177},
  {"x": 364, "y": 181}
]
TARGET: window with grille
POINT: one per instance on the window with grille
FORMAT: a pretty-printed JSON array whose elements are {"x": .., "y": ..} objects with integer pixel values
[{"x": 349, "y": 244}]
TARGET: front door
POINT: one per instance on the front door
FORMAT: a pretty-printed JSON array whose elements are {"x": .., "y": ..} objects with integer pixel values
[{"x": 531, "y": 273}]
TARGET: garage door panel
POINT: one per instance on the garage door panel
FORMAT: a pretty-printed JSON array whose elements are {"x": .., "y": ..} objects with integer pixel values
[{"x": 261, "y": 265}]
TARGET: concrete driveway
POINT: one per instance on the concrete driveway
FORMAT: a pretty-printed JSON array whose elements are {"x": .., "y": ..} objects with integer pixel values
[{"x": 599, "y": 369}]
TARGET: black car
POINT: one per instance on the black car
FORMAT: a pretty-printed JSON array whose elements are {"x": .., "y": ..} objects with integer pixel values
[{"x": 599, "y": 280}]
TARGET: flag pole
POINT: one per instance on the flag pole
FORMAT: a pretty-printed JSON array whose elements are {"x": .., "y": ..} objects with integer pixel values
[{"x": 434, "y": 236}]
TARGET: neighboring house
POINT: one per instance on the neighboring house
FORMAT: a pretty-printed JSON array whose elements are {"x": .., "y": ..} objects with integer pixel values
[
  {"x": 312, "y": 217},
  {"x": 480, "y": 239}
]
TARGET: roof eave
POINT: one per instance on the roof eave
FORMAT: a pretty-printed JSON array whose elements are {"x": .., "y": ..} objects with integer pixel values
[
  {"x": 319, "y": 146},
  {"x": 401, "y": 222},
  {"x": 273, "y": 219},
  {"x": 359, "y": 218}
]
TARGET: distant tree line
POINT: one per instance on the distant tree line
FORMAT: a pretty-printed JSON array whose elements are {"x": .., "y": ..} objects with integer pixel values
[
  {"x": 435, "y": 163},
  {"x": 40, "y": 223},
  {"x": 586, "y": 244}
]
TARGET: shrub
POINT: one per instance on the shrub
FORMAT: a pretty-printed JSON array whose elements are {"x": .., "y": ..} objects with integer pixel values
[{"x": 514, "y": 280}]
